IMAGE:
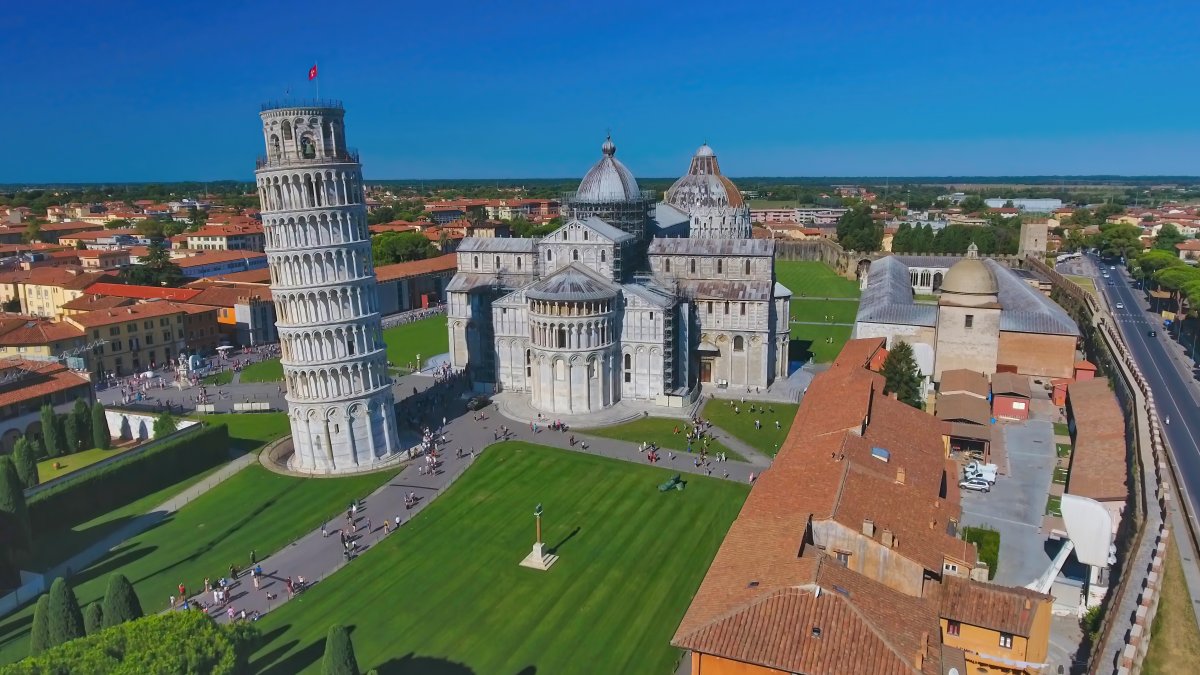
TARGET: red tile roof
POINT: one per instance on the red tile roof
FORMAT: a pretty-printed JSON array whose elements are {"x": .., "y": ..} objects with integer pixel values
[
  {"x": 69, "y": 277},
  {"x": 141, "y": 292},
  {"x": 38, "y": 332},
  {"x": 45, "y": 378},
  {"x": 999, "y": 608},
  {"x": 416, "y": 268},
  {"x": 1098, "y": 460},
  {"x": 200, "y": 258},
  {"x": 144, "y": 310}
]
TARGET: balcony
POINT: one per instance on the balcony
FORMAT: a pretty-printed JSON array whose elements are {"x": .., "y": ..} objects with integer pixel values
[
  {"x": 289, "y": 103},
  {"x": 289, "y": 159}
]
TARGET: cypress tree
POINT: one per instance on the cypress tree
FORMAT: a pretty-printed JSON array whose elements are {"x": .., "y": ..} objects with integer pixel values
[
  {"x": 70, "y": 433},
  {"x": 901, "y": 375},
  {"x": 25, "y": 460},
  {"x": 100, "y": 436},
  {"x": 339, "y": 653},
  {"x": 51, "y": 431},
  {"x": 120, "y": 602},
  {"x": 83, "y": 423},
  {"x": 66, "y": 619},
  {"x": 39, "y": 636},
  {"x": 14, "y": 515},
  {"x": 93, "y": 618}
]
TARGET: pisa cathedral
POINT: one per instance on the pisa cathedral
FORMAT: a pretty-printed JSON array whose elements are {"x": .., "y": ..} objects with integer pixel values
[{"x": 630, "y": 299}]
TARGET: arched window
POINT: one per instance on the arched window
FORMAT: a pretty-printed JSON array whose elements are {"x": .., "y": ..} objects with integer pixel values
[
  {"x": 747, "y": 266},
  {"x": 739, "y": 344},
  {"x": 667, "y": 265},
  {"x": 628, "y": 368},
  {"x": 275, "y": 149},
  {"x": 560, "y": 369},
  {"x": 549, "y": 255},
  {"x": 286, "y": 127},
  {"x": 585, "y": 235},
  {"x": 603, "y": 256},
  {"x": 692, "y": 265},
  {"x": 518, "y": 262},
  {"x": 727, "y": 307},
  {"x": 308, "y": 150},
  {"x": 497, "y": 262},
  {"x": 475, "y": 261},
  {"x": 528, "y": 366},
  {"x": 720, "y": 266},
  {"x": 575, "y": 254},
  {"x": 562, "y": 339},
  {"x": 593, "y": 371}
]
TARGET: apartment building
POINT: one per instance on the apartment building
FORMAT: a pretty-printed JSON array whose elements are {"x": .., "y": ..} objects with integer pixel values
[{"x": 146, "y": 335}]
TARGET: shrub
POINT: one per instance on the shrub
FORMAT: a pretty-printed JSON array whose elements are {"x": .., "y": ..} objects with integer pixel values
[
  {"x": 25, "y": 461},
  {"x": 65, "y": 618},
  {"x": 121, "y": 604},
  {"x": 339, "y": 653},
  {"x": 173, "y": 642},
  {"x": 52, "y": 432},
  {"x": 83, "y": 424},
  {"x": 80, "y": 498},
  {"x": 70, "y": 433},
  {"x": 14, "y": 524},
  {"x": 987, "y": 541},
  {"x": 39, "y": 634},
  {"x": 100, "y": 436},
  {"x": 93, "y": 618},
  {"x": 165, "y": 424}
]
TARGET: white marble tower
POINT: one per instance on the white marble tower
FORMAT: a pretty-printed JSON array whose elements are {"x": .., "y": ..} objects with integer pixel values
[{"x": 338, "y": 387}]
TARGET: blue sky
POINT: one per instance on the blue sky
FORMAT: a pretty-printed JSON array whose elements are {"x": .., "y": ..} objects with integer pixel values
[{"x": 134, "y": 91}]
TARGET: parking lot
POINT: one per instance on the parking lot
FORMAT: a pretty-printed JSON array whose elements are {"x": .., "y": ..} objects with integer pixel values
[{"x": 1017, "y": 502}]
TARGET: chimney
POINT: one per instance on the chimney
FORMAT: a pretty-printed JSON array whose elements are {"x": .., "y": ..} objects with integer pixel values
[
  {"x": 868, "y": 527},
  {"x": 900, "y": 475},
  {"x": 1028, "y": 604},
  {"x": 887, "y": 539}
]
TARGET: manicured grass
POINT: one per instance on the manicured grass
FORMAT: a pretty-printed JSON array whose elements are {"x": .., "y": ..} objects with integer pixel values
[
  {"x": 661, "y": 432},
  {"x": 218, "y": 379},
  {"x": 269, "y": 370},
  {"x": 1061, "y": 429},
  {"x": 822, "y": 343},
  {"x": 75, "y": 462},
  {"x": 923, "y": 297},
  {"x": 1060, "y": 475},
  {"x": 814, "y": 280},
  {"x": 826, "y": 311},
  {"x": 253, "y": 510},
  {"x": 1175, "y": 638},
  {"x": 445, "y": 593},
  {"x": 987, "y": 541},
  {"x": 1063, "y": 449},
  {"x": 1086, "y": 283},
  {"x": 427, "y": 337},
  {"x": 768, "y": 439},
  {"x": 250, "y": 431},
  {"x": 1053, "y": 506}
]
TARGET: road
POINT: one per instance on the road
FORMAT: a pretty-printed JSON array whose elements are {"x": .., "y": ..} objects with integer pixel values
[{"x": 1168, "y": 373}]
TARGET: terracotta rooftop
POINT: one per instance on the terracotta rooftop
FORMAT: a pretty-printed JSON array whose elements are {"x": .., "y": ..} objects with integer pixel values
[
  {"x": 964, "y": 381},
  {"x": 260, "y": 276},
  {"x": 90, "y": 302},
  {"x": 67, "y": 276},
  {"x": 45, "y": 378},
  {"x": 963, "y": 408},
  {"x": 415, "y": 268},
  {"x": 860, "y": 353},
  {"x": 37, "y": 332},
  {"x": 1098, "y": 459},
  {"x": 1000, "y": 608},
  {"x": 144, "y": 310},
  {"x": 199, "y": 258},
  {"x": 226, "y": 294},
  {"x": 141, "y": 292},
  {"x": 1010, "y": 384}
]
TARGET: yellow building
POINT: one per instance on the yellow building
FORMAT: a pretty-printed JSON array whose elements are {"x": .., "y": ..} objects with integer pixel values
[
  {"x": 43, "y": 291},
  {"x": 146, "y": 335},
  {"x": 37, "y": 338},
  {"x": 1000, "y": 630}
]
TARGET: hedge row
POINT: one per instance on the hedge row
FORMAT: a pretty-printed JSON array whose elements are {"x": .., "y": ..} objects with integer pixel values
[
  {"x": 173, "y": 642},
  {"x": 83, "y": 498}
]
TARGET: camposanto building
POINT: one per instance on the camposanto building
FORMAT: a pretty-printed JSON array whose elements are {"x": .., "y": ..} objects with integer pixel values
[
  {"x": 620, "y": 303},
  {"x": 323, "y": 281}
]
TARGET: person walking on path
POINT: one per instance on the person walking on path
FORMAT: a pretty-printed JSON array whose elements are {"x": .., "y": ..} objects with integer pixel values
[{"x": 253, "y": 557}]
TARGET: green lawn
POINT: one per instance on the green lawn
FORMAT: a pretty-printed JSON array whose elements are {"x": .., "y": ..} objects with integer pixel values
[
  {"x": 1063, "y": 449},
  {"x": 840, "y": 311},
  {"x": 445, "y": 595},
  {"x": 924, "y": 297},
  {"x": 1053, "y": 506},
  {"x": 427, "y": 337},
  {"x": 1061, "y": 429},
  {"x": 821, "y": 342},
  {"x": 987, "y": 541},
  {"x": 814, "y": 280},
  {"x": 75, "y": 462},
  {"x": 1060, "y": 475},
  {"x": 254, "y": 509},
  {"x": 1174, "y": 637},
  {"x": 251, "y": 431},
  {"x": 1086, "y": 283},
  {"x": 223, "y": 377},
  {"x": 660, "y": 431},
  {"x": 269, "y": 370},
  {"x": 741, "y": 425}
]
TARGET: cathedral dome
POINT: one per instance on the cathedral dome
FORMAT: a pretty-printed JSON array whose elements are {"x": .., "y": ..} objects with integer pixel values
[
  {"x": 608, "y": 180},
  {"x": 574, "y": 283},
  {"x": 703, "y": 185},
  {"x": 970, "y": 276}
]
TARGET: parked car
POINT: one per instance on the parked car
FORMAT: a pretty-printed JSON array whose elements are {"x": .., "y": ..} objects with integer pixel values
[
  {"x": 977, "y": 484},
  {"x": 979, "y": 470}
]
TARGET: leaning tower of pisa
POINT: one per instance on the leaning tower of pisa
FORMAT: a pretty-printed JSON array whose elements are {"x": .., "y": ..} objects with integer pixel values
[{"x": 327, "y": 310}]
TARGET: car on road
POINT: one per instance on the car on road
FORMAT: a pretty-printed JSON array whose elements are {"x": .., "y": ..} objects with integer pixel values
[
  {"x": 1152, "y": 333},
  {"x": 977, "y": 484},
  {"x": 1120, "y": 305}
]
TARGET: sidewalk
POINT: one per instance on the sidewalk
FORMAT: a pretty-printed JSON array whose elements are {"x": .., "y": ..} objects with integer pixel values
[{"x": 315, "y": 557}]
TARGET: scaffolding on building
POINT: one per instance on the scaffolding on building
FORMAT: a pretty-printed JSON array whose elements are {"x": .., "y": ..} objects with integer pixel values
[{"x": 628, "y": 215}]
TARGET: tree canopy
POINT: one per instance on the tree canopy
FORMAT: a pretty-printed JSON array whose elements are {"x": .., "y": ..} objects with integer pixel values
[
  {"x": 901, "y": 375},
  {"x": 857, "y": 231},
  {"x": 157, "y": 268},
  {"x": 121, "y": 603},
  {"x": 394, "y": 247},
  {"x": 66, "y": 619},
  {"x": 339, "y": 653},
  {"x": 100, "y": 436},
  {"x": 14, "y": 524},
  {"x": 1168, "y": 236}
]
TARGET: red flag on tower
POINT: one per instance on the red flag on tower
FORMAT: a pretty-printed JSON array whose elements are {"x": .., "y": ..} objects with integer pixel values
[{"x": 312, "y": 72}]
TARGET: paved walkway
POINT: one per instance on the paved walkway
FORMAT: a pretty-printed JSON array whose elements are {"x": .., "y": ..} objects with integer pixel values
[{"x": 315, "y": 557}]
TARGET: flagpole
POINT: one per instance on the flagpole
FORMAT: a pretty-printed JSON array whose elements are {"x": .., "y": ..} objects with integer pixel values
[{"x": 318, "y": 79}]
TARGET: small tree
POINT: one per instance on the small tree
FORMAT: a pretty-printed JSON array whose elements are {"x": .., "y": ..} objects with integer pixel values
[
  {"x": 52, "y": 432},
  {"x": 39, "y": 635},
  {"x": 83, "y": 423},
  {"x": 339, "y": 653},
  {"x": 93, "y": 618},
  {"x": 66, "y": 619},
  {"x": 121, "y": 604},
  {"x": 165, "y": 424},
  {"x": 14, "y": 521},
  {"x": 70, "y": 432},
  {"x": 901, "y": 376},
  {"x": 25, "y": 462},
  {"x": 100, "y": 436}
]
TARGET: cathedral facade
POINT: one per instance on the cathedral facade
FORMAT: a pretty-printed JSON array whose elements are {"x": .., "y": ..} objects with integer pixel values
[{"x": 630, "y": 299}]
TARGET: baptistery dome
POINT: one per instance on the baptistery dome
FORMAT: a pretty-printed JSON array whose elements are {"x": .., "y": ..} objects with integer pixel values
[
  {"x": 713, "y": 202},
  {"x": 608, "y": 180}
]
